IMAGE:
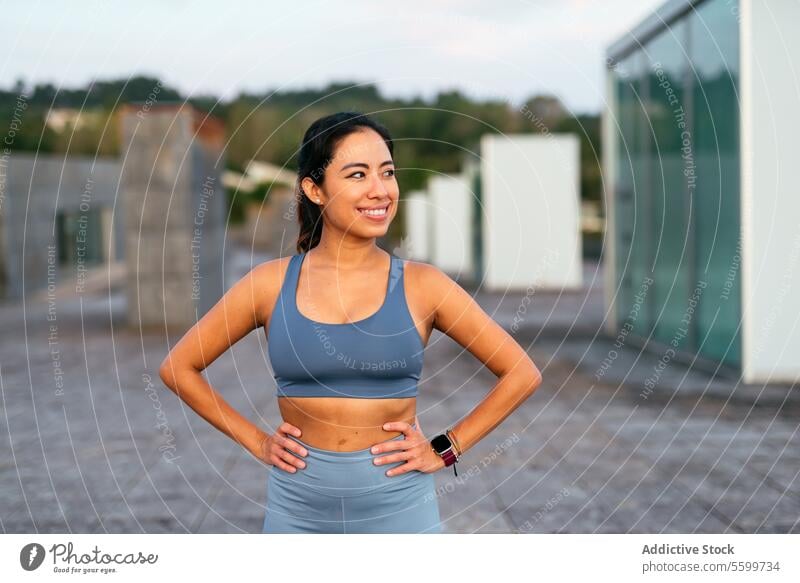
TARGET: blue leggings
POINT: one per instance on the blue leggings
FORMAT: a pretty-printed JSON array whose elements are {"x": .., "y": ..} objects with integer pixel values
[{"x": 345, "y": 492}]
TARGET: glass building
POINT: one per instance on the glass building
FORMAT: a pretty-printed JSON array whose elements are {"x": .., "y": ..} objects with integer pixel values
[{"x": 684, "y": 268}]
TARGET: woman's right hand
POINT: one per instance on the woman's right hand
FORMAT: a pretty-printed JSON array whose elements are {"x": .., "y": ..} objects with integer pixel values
[{"x": 275, "y": 449}]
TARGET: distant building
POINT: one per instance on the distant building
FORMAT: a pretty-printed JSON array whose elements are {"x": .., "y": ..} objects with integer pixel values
[
  {"x": 417, "y": 226},
  {"x": 530, "y": 211},
  {"x": 510, "y": 219},
  {"x": 700, "y": 164},
  {"x": 450, "y": 207},
  {"x": 175, "y": 213},
  {"x": 60, "y": 119},
  {"x": 58, "y": 217},
  {"x": 159, "y": 210}
]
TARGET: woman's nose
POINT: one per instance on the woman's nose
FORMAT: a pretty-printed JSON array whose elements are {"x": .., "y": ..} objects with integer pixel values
[{"x": 379, "y": 185}]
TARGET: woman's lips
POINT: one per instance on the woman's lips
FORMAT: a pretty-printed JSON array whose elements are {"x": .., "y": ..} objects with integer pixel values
[{"x": 375, "y": 214}]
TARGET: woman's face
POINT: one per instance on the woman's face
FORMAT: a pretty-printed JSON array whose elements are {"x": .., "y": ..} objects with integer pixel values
[{"x": 359, "y": 194}]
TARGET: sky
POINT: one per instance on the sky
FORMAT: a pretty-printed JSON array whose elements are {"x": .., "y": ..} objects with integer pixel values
[{"x": 507, "y": 49}]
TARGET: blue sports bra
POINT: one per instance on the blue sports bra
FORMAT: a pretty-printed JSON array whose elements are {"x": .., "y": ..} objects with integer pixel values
[{"x": 380, "y": 356}]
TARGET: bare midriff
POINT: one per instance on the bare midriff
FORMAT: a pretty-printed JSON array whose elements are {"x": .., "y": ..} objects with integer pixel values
[{"x": 343, "y": 423}]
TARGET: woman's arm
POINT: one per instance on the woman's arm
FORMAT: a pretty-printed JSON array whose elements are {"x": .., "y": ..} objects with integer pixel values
[
  {"x": 455, "y": 313},
  {"x": 239, "y": 311}
]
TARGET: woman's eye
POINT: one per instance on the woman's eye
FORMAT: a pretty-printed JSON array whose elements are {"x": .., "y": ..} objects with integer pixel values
[{"x": 360, "y": 174}]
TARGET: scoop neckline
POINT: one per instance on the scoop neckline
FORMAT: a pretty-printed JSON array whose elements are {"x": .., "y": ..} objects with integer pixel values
[{"x": 379, "y": 310}]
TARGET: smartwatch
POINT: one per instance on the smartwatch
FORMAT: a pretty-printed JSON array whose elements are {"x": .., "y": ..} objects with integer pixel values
[{"x": 443, "y": 447}]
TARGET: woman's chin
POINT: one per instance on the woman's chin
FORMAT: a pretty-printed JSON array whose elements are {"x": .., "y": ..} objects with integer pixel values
[
  {"x": 368, "y": 228},
  {"x": 375, "y": 231}
]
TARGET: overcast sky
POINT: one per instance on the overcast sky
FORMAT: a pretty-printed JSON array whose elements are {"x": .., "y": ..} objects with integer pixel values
[{"x": 504, "y": 49}]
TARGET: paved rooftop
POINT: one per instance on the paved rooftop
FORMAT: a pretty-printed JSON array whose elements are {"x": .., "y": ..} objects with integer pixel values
[{"x": 86, "y": 445}]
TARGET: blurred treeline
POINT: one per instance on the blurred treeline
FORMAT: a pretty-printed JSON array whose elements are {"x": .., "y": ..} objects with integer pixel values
[{"x": 430, "y": 136}]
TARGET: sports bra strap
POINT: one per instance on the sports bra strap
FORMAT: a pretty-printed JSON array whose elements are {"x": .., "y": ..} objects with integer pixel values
[{"x": 396, "y": 274}]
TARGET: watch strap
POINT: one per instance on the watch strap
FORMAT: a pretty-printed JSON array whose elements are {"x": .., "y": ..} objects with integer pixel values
[{"x": 449, "y": 455}]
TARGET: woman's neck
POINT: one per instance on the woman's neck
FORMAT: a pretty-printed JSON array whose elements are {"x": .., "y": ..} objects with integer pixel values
[{"x": 346, "y": 254}]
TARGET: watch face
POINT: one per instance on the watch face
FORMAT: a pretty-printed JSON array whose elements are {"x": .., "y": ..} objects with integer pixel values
[{"x": 441, "y": 443}]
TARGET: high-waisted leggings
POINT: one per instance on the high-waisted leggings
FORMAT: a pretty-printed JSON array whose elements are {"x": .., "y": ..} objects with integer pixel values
[{"x": 345, "y": 492}]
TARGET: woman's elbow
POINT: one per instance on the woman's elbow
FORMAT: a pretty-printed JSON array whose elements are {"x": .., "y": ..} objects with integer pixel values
[
  {"x": 167, "y": 372},
  {"x": 533, "y": 380}
]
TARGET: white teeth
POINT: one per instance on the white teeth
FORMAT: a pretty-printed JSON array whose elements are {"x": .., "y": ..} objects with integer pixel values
[{"x": 374, "y": 213}]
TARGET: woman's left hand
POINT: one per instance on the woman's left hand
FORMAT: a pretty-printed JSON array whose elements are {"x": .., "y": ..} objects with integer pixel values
[{"x": 415, "y": 449}]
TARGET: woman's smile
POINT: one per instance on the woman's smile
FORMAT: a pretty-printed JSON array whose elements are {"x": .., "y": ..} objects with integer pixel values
[{"x": 376, "y": 214}]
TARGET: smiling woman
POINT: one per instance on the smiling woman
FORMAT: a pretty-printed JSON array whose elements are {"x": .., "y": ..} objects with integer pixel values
[{"x": 347, "y": 324}]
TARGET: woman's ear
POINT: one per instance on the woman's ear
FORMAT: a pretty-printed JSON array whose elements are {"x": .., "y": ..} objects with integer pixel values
[{"x": 311, "y": 190}]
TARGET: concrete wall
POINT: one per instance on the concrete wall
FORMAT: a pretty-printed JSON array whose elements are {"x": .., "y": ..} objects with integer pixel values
[
  {"x": 36, "y": 188},
  {"x": 209, "y": 212},
  {"x": 271, "y": 227},
  {"x": 417, "y": 225},
  {"x": 174, "y": 214},
  {"x": 609, "y": 127},
  {"x": 451, "y": 227},
  {"x": 770, "y": 122},
  {"x": 471, "y": 175},
  {"x": 531, "y": 220}
]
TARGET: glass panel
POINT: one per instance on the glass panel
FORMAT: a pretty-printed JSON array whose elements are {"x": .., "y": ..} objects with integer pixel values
[
  {"x": 670, "y": 182},
  {"x": 677, "y": 191},
  {"x": 632, "y": 269},
  {"x": 715, "y": 56}
]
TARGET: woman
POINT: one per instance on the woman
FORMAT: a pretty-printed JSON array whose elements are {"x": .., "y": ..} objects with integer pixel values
[{"x": 346, "y": 325}]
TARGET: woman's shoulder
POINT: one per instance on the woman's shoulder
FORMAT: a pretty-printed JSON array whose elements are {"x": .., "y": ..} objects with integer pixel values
[
  {"x": 265, "y": 280},
  {"x": 425, "y": 274},
  {"x": 271, "y": 272},
  {"x": 426, "y": 285}
]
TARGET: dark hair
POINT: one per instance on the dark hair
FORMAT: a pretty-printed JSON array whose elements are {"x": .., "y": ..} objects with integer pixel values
[{"x": 316, "y": 153}]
